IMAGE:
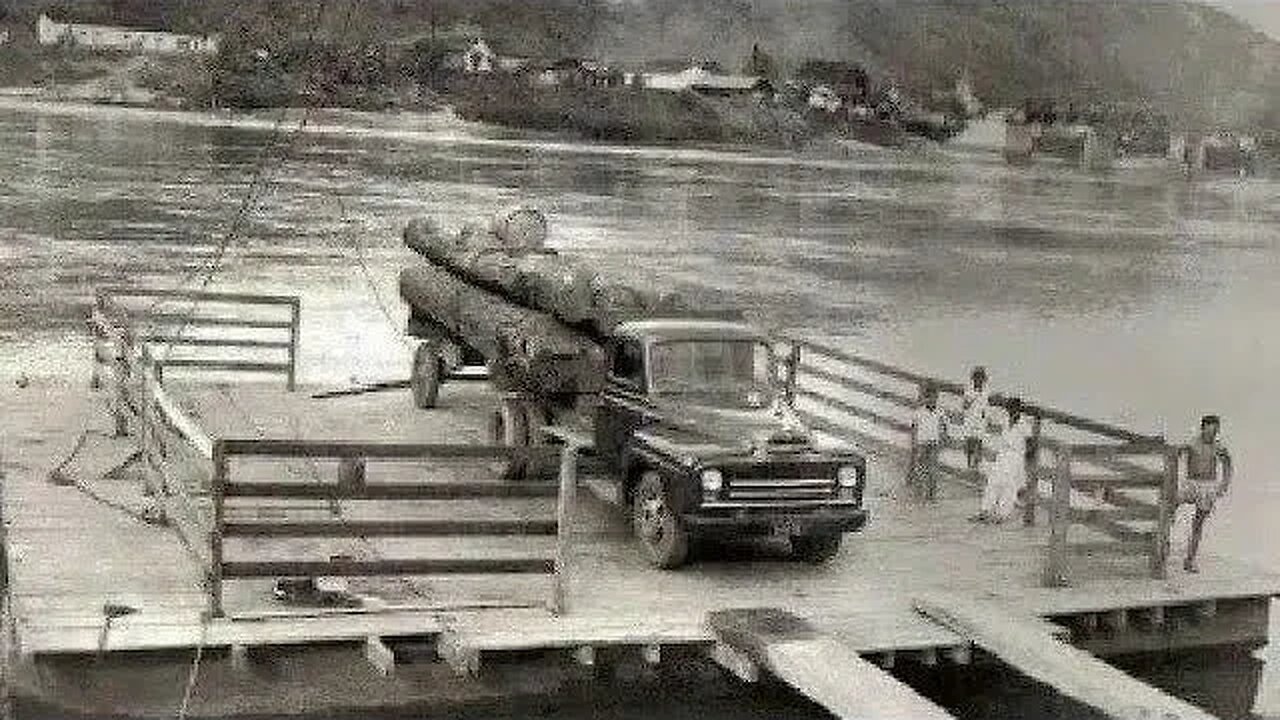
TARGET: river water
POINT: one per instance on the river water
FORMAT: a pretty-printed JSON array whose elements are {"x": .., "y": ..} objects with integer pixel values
[{"x": 1135, "y": 295}]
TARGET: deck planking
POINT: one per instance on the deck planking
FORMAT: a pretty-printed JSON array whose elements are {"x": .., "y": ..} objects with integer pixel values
[{"x": 97, "y": 555}]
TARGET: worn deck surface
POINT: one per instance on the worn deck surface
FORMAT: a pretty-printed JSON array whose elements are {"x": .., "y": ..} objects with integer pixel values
[{"x": 70, "y": 553}]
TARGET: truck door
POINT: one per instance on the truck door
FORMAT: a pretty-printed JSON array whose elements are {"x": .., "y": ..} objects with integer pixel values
[{"x": 622, "y": 405}]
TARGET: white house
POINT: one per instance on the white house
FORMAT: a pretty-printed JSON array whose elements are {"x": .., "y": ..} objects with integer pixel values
[
  {"x": 700, "y": 78},
  {"x": 478, "y": 58},
  {"x": 106, "y": 37},
  {"x": 822, "y": 97}
]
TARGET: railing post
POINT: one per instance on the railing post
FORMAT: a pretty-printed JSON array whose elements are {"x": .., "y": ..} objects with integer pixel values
[
  {"x": 146, "y": 440},
  {"x": 294, "y": 331},
  {"x": 564, "y": 525},
  {"x": 1031, "y": 492},
  {"x": 1055, "y": 572},
  {"x": 120, "y": 413},
  {"x": 793, "y": 371},
  {"x": 217, "y": 489},
  {"x": 1168, "y": 506}
]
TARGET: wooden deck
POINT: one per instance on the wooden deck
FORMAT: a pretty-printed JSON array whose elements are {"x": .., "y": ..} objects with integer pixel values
[{"x": 73, "y": 551}]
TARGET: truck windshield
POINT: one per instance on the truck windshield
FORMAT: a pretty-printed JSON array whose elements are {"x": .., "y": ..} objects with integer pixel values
[{"x": 727, "y": 373}]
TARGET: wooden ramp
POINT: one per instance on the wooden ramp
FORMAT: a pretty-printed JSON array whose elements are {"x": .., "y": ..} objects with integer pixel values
[
  {"x": 822, "y": 668},
  {"x": 1030, "y": 649}
]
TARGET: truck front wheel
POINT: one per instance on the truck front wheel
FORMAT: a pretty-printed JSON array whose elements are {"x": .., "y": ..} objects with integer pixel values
[
  {"x": 661, "y": 533},
  {"x": 817, "y": 548}
]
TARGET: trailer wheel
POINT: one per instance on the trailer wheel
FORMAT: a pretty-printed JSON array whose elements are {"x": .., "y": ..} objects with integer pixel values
[
  {"x": 426, "y": 377},
  {"x": 663, "y": 537}
]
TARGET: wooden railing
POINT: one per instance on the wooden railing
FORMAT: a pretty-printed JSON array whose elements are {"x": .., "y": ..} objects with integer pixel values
[
  {"x": 396, "y": 517},
  {"x": 1120, "y": 484},
  {"x": 203, "y": 331},
  {"x": 173, "y": 454}
]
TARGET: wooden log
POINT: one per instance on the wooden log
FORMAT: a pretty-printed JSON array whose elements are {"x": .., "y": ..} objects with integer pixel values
[
  {"x": 547, "y": 282},
  {"x": 528, "y": 350}
]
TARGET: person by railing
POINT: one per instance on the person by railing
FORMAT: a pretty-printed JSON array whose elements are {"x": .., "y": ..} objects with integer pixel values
[
  {"x": 976, "y": 415},
  {"x": 928, "y": 428},
  {"x": 1009, "y": 471},
  {"x": 1208, "y": 478}
]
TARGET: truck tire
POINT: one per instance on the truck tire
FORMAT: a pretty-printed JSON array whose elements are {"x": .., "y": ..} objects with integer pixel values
[
  {"x": 817, "y": 548},
  {"x": 426, "y": 376},
  {"x": 662, "y": 535}
]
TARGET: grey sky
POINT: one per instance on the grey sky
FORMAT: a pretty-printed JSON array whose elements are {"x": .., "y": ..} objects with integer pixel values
[{"x": 1263, "y": 14}]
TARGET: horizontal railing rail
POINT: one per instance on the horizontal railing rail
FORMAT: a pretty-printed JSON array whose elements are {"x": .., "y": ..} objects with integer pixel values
[
  {"x": 350, "y": 483},
  {"x": 1121, "y": 483},
  {"x": 261, "y": 344}
]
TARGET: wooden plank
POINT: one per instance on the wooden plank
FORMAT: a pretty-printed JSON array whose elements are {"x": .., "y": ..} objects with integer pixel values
[
  {"x": 564, "y": 526},
  {"x": 1106, "y": 482},
  {"x": 225, "y": 365},
  {"x": 855, "y": 411},
  {"x": 387, "y": 528},
  {"x": 145, "y": 631},
  {"x": 174, "y": 416},
  {"x": 1110, "y": 547},
  {"x": 827, "y": 671},
  {"x": 370, "y": 568},
  {"x": 1136, "y": 511},
  {"x": 865, "y": 388},
  {"x": 188, "y": 341},
  {"x": 1069, "y": 670},
  {"x": 383, "y": 451},
  {"x": 211, "y": 321},
  {"x": 206, "y": 295},
  {"x": 394, "y": 491}
]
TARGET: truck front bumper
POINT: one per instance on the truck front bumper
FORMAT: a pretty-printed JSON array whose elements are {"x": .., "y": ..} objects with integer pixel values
[{"x": 761, "y": 521}]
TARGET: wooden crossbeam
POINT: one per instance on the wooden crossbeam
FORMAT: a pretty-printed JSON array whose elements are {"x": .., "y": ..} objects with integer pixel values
[
  {"x": 206, "y": 342},
  {"x": 855, "y": 411},
  {"x": 211, "y": 321},
  {"x": 389, "y": 528},
  {"x": 372, "y": 568},
  {"x": 394, "y": 491},
  {"x": 866, "y": 388},
  {"x": 225, "y": 365}
]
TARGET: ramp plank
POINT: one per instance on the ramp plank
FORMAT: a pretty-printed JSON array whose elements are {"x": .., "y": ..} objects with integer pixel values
[
  {"x": 1028, "y": 648},
  {"x": 824, "y": 669}
]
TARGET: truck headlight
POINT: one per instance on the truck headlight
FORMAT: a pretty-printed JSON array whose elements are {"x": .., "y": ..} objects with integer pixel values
[
  {"x": 847, "y": 476},
  {"x": 712, "y": 480}
]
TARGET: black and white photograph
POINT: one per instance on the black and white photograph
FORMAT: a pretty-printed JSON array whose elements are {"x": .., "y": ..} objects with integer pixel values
[{"x": 629, "y": 359}]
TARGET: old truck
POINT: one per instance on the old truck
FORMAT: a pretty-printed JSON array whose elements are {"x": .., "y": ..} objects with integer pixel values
[{"x": 695, "y": 428}]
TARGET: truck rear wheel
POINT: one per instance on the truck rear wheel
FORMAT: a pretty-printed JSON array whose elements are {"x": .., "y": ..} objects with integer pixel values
[
  {"x": 661, "y": 533},
  {"x": 817, "y": 548},
  {"x": 426, "y": 376}
]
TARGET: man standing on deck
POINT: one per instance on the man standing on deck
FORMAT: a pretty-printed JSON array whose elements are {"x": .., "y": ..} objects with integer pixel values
[{"x": 1203, "y": 484}]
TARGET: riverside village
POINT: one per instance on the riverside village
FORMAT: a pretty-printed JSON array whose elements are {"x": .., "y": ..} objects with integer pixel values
[{"x": 638, "y": 358}]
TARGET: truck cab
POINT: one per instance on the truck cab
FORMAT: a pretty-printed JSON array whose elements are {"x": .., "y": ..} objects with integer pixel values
[{"x": 697, "y": 421}]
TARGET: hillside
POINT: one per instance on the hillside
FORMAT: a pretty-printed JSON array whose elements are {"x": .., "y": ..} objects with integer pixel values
[{"x": 1197, "y": 63}]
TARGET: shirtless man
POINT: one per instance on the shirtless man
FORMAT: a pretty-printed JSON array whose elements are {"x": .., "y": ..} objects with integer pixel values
[{"x": 1208, "y": 478}]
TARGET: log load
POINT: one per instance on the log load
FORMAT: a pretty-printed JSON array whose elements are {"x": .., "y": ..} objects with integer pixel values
[
  {"x": 527, "y": 350},
  {"x": 545, "y": 281}
]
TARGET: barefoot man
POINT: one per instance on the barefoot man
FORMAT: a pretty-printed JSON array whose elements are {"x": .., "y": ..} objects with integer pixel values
[{"x": 1208, "y": 477}]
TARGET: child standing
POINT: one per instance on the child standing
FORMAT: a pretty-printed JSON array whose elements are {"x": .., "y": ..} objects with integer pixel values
[
  {"x": 976, "y": 414},
  {"x": 928, "y": 426}
]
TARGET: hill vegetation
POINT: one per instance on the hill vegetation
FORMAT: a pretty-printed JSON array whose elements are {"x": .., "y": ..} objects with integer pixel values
[{"x": 1195, "y": 63}]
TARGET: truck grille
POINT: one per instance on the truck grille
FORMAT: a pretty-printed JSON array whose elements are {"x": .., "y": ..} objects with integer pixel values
[{"x": 779, "y": 489}]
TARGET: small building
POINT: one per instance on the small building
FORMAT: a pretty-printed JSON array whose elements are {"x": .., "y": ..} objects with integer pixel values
[
  {"x": 698, "y": 76},
  {"x": 107, "y": 37},
  {"x": 478, "y": 58},
  {"x": 822, "y": 97}
]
